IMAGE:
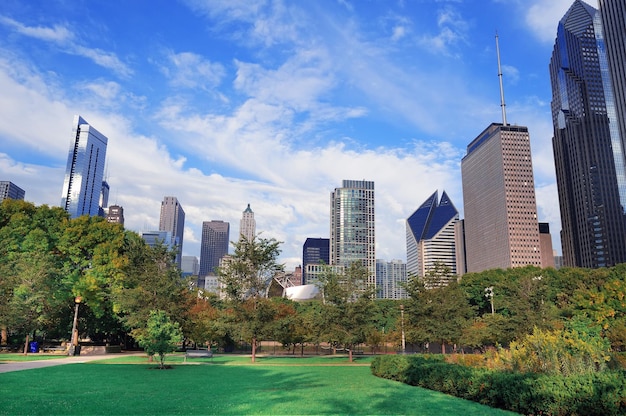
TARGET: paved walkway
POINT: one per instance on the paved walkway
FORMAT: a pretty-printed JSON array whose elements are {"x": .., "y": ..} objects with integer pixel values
[{"x": 7, "y": 366}]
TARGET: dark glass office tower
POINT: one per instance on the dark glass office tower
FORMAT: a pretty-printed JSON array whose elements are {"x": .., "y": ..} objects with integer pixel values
[
  {"x": 314, "y": 251},
  {"x": 85, "y": 169},
  {"x": 613, "y": 14},
  {"x": 214, "y": 245},
  {"x": 588, "y": 149}
]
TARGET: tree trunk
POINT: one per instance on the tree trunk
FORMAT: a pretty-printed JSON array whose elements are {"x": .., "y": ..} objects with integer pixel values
[
  {"x": 350, "y": 355},
  {"x": 26, "y": 344},
  {"x": 253, "y": 349},
  {"x": 4, "y": 337},
  {"x": 443, "y": 347}
]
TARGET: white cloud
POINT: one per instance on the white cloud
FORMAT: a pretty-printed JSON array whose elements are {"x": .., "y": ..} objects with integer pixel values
[
  {"x": 190, "y": 70},
  {"x": 56, "y": 33},
  {"x": 543, "y": 16},
  {"x": 453, "y": 30},
  {"x": 66, "y": 39}
]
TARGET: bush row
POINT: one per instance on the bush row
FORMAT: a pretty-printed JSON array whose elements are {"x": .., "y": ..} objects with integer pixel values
[{"x": 526, "y": 393}]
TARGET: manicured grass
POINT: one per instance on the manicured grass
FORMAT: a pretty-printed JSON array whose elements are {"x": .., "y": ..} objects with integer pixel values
[
  {"x": 12, "y": 357},
  {"x": 219, "y": 389},
  {"x": 231, "y": 359}
]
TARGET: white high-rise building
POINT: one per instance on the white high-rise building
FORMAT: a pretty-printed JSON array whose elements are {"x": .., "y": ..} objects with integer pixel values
[
  {"x": 352, "y": 233},
  {"x": 390, "y": 278},
  {"x": 430, "y": 237},
  {"x": 247, "y": 225}
]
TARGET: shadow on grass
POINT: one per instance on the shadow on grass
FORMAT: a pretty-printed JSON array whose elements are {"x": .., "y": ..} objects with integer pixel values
[{"x": 191, "y": 389}]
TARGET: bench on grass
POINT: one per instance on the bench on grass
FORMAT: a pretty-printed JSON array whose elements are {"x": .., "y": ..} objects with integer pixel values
[
  {"x": 198, "y": 353},
  {"x": 54, "y": 349}
]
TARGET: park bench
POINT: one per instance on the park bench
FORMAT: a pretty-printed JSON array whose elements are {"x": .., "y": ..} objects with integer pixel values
[
  {"x": 53, "y": 348},
  {"x": 198, "y": 353}
]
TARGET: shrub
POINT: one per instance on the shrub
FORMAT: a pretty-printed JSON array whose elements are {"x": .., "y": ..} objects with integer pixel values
[{"x": 527, "y": 393}]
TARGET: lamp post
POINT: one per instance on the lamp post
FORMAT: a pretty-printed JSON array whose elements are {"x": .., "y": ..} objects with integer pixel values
[
  {"x": 402, "y": 326},
  {"x": 74, "y": 348}
]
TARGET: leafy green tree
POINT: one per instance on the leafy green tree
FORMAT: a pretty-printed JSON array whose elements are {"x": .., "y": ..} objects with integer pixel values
[
  {"x": 245, "y": 277},
  {"x": 148, "y": 280},
  {"x": 347, "y": 306},
  {"x": 160, "y": 336},
  {"x": 29, "y": 266}
]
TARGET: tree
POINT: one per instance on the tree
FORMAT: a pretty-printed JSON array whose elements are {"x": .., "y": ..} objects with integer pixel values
[
  {"x": 160, "y": 336},
  {"x": 149, "y": 280},
  {"x": 246, "y": 276},
  {"x": 347, "y": 306}
]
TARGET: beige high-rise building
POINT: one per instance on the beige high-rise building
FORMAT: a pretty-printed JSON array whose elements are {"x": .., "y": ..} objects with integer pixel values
[
  {"x": 247, "y": 224},
  {"x": 501, "y": 227}
]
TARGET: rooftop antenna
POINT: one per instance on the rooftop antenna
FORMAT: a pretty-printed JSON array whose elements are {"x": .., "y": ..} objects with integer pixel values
[{"x": 502, "y": 104}]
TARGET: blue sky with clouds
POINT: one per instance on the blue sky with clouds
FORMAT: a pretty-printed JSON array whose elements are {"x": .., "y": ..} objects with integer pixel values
[{"x": 272, "y": 103}]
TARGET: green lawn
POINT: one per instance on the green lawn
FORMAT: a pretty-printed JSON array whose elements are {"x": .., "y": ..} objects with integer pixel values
[
  {"x": 268, "y": 388},
  {"x": 12, "y": 357}
]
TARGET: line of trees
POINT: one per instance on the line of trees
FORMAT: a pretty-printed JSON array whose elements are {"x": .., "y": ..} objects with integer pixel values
[{"x": 47, "y": 260}]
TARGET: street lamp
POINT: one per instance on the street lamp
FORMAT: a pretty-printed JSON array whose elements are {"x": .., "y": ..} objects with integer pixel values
[
  {"x": 489, "y": 295},
  {"x": 74, "y": 348},
  {"x": 402, "y": 326}
]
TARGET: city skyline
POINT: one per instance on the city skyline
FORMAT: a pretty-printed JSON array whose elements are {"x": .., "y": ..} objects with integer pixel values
[{"x": 275, "y": 118}]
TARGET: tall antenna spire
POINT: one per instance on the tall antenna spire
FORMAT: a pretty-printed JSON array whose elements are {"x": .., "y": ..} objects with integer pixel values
[{"x": 502, "y": 104}]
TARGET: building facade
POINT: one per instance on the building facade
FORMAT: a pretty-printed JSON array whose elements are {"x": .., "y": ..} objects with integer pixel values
[
  {"x": 190, "y": 266},
  {"x": 500, "y": 225},
  {"x": 82, "y": 186},
  {"x": 172, "y": 220},
  {"x": 352, "y": 231},
  {"x": 213, "y": 246},
  {"x": 430, "y": 237},
  {"x": 314, "y": 251},
  {"x": 115, "y": 214},
  {"x": 155, "y": 238},
  {"x": 9, "y": 190},
  {"x": 247, "y": 224},
  {"x": 390, "y": 279},
  {"x": 588, "y": 149}
]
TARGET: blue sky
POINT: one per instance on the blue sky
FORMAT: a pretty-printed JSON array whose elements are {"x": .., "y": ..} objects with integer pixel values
[{"x": 273, "y": 103}]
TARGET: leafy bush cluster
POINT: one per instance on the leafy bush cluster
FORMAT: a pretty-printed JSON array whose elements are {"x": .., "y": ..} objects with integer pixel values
[{"x": 602, "y": 393}]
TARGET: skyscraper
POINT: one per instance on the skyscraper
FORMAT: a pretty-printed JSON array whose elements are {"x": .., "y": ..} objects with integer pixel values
[
  {"x": 173, "y": 220},
  {"x": 390, "y": 279},
  {"x": 588, "y": 150},
  {"x": 314, "y": 251},
  {"x": 85, "y": 168},
  {"x": 247, "y": 225},
  {"x": 352, "y": 219},
  {"x": 501, "y": 227},
  {"x": 430, "y": 236},
  {"x": 214, "y": 245},
  {"x": 613, "y": 14},
  {"x": 9, "y": 190}
]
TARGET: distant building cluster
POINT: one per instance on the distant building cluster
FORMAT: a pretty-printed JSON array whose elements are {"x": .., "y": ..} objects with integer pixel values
[{"x": 500, "y": 229}]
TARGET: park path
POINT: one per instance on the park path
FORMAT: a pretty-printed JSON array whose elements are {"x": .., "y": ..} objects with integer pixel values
[{"x": 7, "y": 366}]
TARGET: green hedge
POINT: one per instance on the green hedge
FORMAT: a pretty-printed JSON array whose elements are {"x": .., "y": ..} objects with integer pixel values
[{"x": 531, "y": 394}]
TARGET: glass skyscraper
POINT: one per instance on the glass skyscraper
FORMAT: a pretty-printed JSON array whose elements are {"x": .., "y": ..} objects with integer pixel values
[
  {"x": 9, "y": 190},
  {"x": 315, "y": 251},
  {"x": 352, "y": 236},
  {"x": 172, "y": 219},
  {"x": 430, "y": 236},
  {"x": 588, "y": 148},
  {"x": 85, "y": 169}
]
